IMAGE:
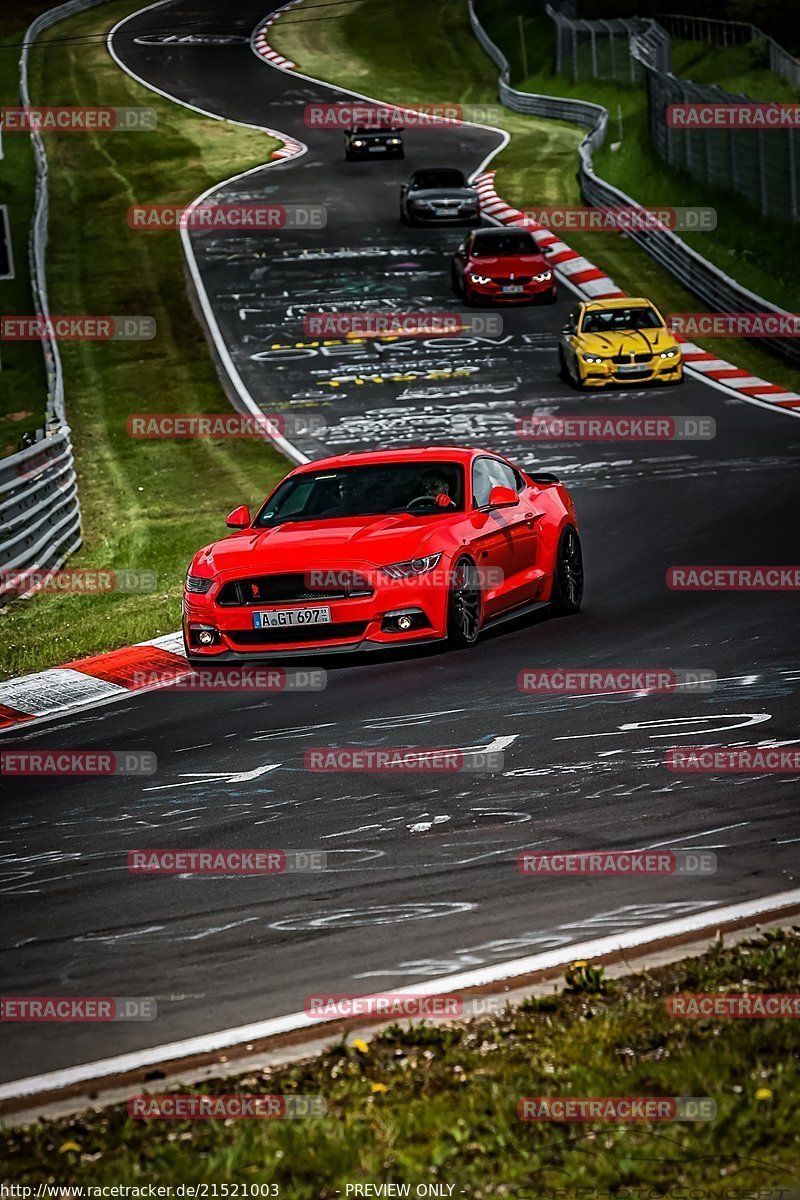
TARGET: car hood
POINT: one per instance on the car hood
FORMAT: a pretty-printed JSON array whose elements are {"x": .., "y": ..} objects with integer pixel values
[
  {"x": 513, "y": 264},
  {"x": 296, "y": 546},
  {"x": 451, "y": 193},
  {"x": 639, "y": 341}
]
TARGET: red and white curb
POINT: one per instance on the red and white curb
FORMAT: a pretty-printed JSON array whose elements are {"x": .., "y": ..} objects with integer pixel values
[
  {"x": 587, "y": 279},
  {"x": 259, "y": 42},
  {"x": 95, "y": 680}
]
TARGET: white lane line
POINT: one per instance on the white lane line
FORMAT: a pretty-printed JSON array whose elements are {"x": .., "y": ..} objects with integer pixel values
[
  {"x": 673, "y": 841},
  {"x": 288, "y": 449},
  {"x": 221, "y": 1039}
]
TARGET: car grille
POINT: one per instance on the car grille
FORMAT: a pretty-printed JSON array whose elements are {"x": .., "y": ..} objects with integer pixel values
[
  {"x": 345, "y": 631},
  {"x": 287, "y": 589},
  {"x": 507, "y": 279},
  {"x": 631, "y": 358}
]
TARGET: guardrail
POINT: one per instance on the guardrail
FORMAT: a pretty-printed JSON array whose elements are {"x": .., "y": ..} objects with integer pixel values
[
  {"x": 713, "y": 286},
  {"x": 40, "y": 520}
]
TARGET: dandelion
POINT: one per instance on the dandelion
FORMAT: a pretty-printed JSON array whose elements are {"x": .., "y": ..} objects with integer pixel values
[
  {"x": 65, "y": 1146},
  {"x": 361, "y": 1046},
  {"x": 763, "y": 1094},
  {"x": 380, "y": 1087}
]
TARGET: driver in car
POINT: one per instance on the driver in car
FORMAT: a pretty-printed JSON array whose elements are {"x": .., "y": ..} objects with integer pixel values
[{"x": 435, "y": 486}]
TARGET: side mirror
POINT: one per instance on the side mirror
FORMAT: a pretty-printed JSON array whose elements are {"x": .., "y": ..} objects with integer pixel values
[
  {"x": 239, "y": 518},
  {"x": 503, "y": 497}
]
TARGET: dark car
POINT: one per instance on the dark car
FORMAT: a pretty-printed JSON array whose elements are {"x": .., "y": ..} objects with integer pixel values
[
  {"x": 437, "y": 196},
  {"x": 504, "y": 266},
  {"x": 375, "y": 141}
]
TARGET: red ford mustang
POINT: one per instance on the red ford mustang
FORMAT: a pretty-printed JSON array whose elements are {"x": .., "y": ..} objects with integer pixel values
[
  {"x": 384, "y": 548},
  {"x": 502, "y": 265}
]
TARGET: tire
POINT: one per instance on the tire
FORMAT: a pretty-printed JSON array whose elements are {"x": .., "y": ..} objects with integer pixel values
[
  {"x": 454, "y": 281},
  {"x": 567, "y": 574},
  {"x": 562, "y": 364},
  {"x": 468, "y": 297},
  {"x": 464, "y": 605}
]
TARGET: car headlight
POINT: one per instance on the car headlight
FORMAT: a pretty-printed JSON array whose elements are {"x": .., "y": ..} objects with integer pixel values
[
  {"x": 669, "y": 353},
  {"x": 480, "y": 279},
  {"x": 415, "y": 566},
  {"x": 198, "y": 584},
  {"x": 394, "y": 141},
  {"x": 540, "y": 278},
  {"x": 591, "y": 358},
  {"x": 358, "y": 143}
]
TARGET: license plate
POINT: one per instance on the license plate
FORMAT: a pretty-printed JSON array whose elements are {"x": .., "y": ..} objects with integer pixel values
[
  {"x": 444, "y": 212},
  {"x": 635, "y": 370},
  {"x": 376, "y": 149},
  {"x": 513, "y": 289},
  {"x": 278, "y": 618}
]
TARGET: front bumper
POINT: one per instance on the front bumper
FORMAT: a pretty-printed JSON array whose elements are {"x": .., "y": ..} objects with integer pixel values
[
  {"x": 358, "y": 623},
  {"x": 428, "y": 217},
  {"x": 667, "y": 370},
  {"x": 492, "y": 293}
]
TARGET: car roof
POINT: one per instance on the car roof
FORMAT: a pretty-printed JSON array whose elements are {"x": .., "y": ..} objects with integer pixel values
[
  {"x": 620, "y": 302},
  {"x": 421, "y": 454}
]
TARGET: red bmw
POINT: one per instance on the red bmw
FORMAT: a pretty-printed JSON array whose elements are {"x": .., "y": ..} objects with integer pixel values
[
  {"x": 384, "y": 548},
  {"x": 504, "y": 266}
]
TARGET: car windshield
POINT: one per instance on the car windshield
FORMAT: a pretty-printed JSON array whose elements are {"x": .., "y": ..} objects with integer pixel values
[
  {"x": 621, "y": 320},
  {"x": 504, "y": 243},
  {"x": 361, "y": 129},
  {"x": 441, "y": 177},
  {"x": 421, "y": 488}
]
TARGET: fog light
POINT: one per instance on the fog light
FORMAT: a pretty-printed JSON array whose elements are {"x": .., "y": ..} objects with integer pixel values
[
  {"x": 206, "y": 637},
  {"x": 405, "y": 620}
]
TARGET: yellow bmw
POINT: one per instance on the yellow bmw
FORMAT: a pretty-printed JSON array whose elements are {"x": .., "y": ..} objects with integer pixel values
[{"x": 618, "y": 341}]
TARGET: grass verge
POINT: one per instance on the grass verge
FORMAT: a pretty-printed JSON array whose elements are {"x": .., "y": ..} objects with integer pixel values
[
  {"x": 147, "y": 505},
  {"x": 438, "y": 1103},
  {"x": 377, "y": 50}
]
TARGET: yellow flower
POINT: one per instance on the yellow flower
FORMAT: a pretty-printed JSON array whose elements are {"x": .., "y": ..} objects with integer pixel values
[
  {"x": 69, "y": 1146},
  {"x": 380, "y": 1087},
  {"x": 763, "y": 1094},
  {"x": 360, "y": 1045},
  {"x": 581, "y": 963}
]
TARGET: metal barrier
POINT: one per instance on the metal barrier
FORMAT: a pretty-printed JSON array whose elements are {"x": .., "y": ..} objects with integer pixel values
[
  {"x": 713, "y": 286},
  {"x": 604, "y": 49},
  {"x": 40, "y": 521}
]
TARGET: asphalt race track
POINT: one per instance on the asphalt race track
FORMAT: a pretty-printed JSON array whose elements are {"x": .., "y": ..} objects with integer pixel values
[{"x": 421, "y": 877}]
